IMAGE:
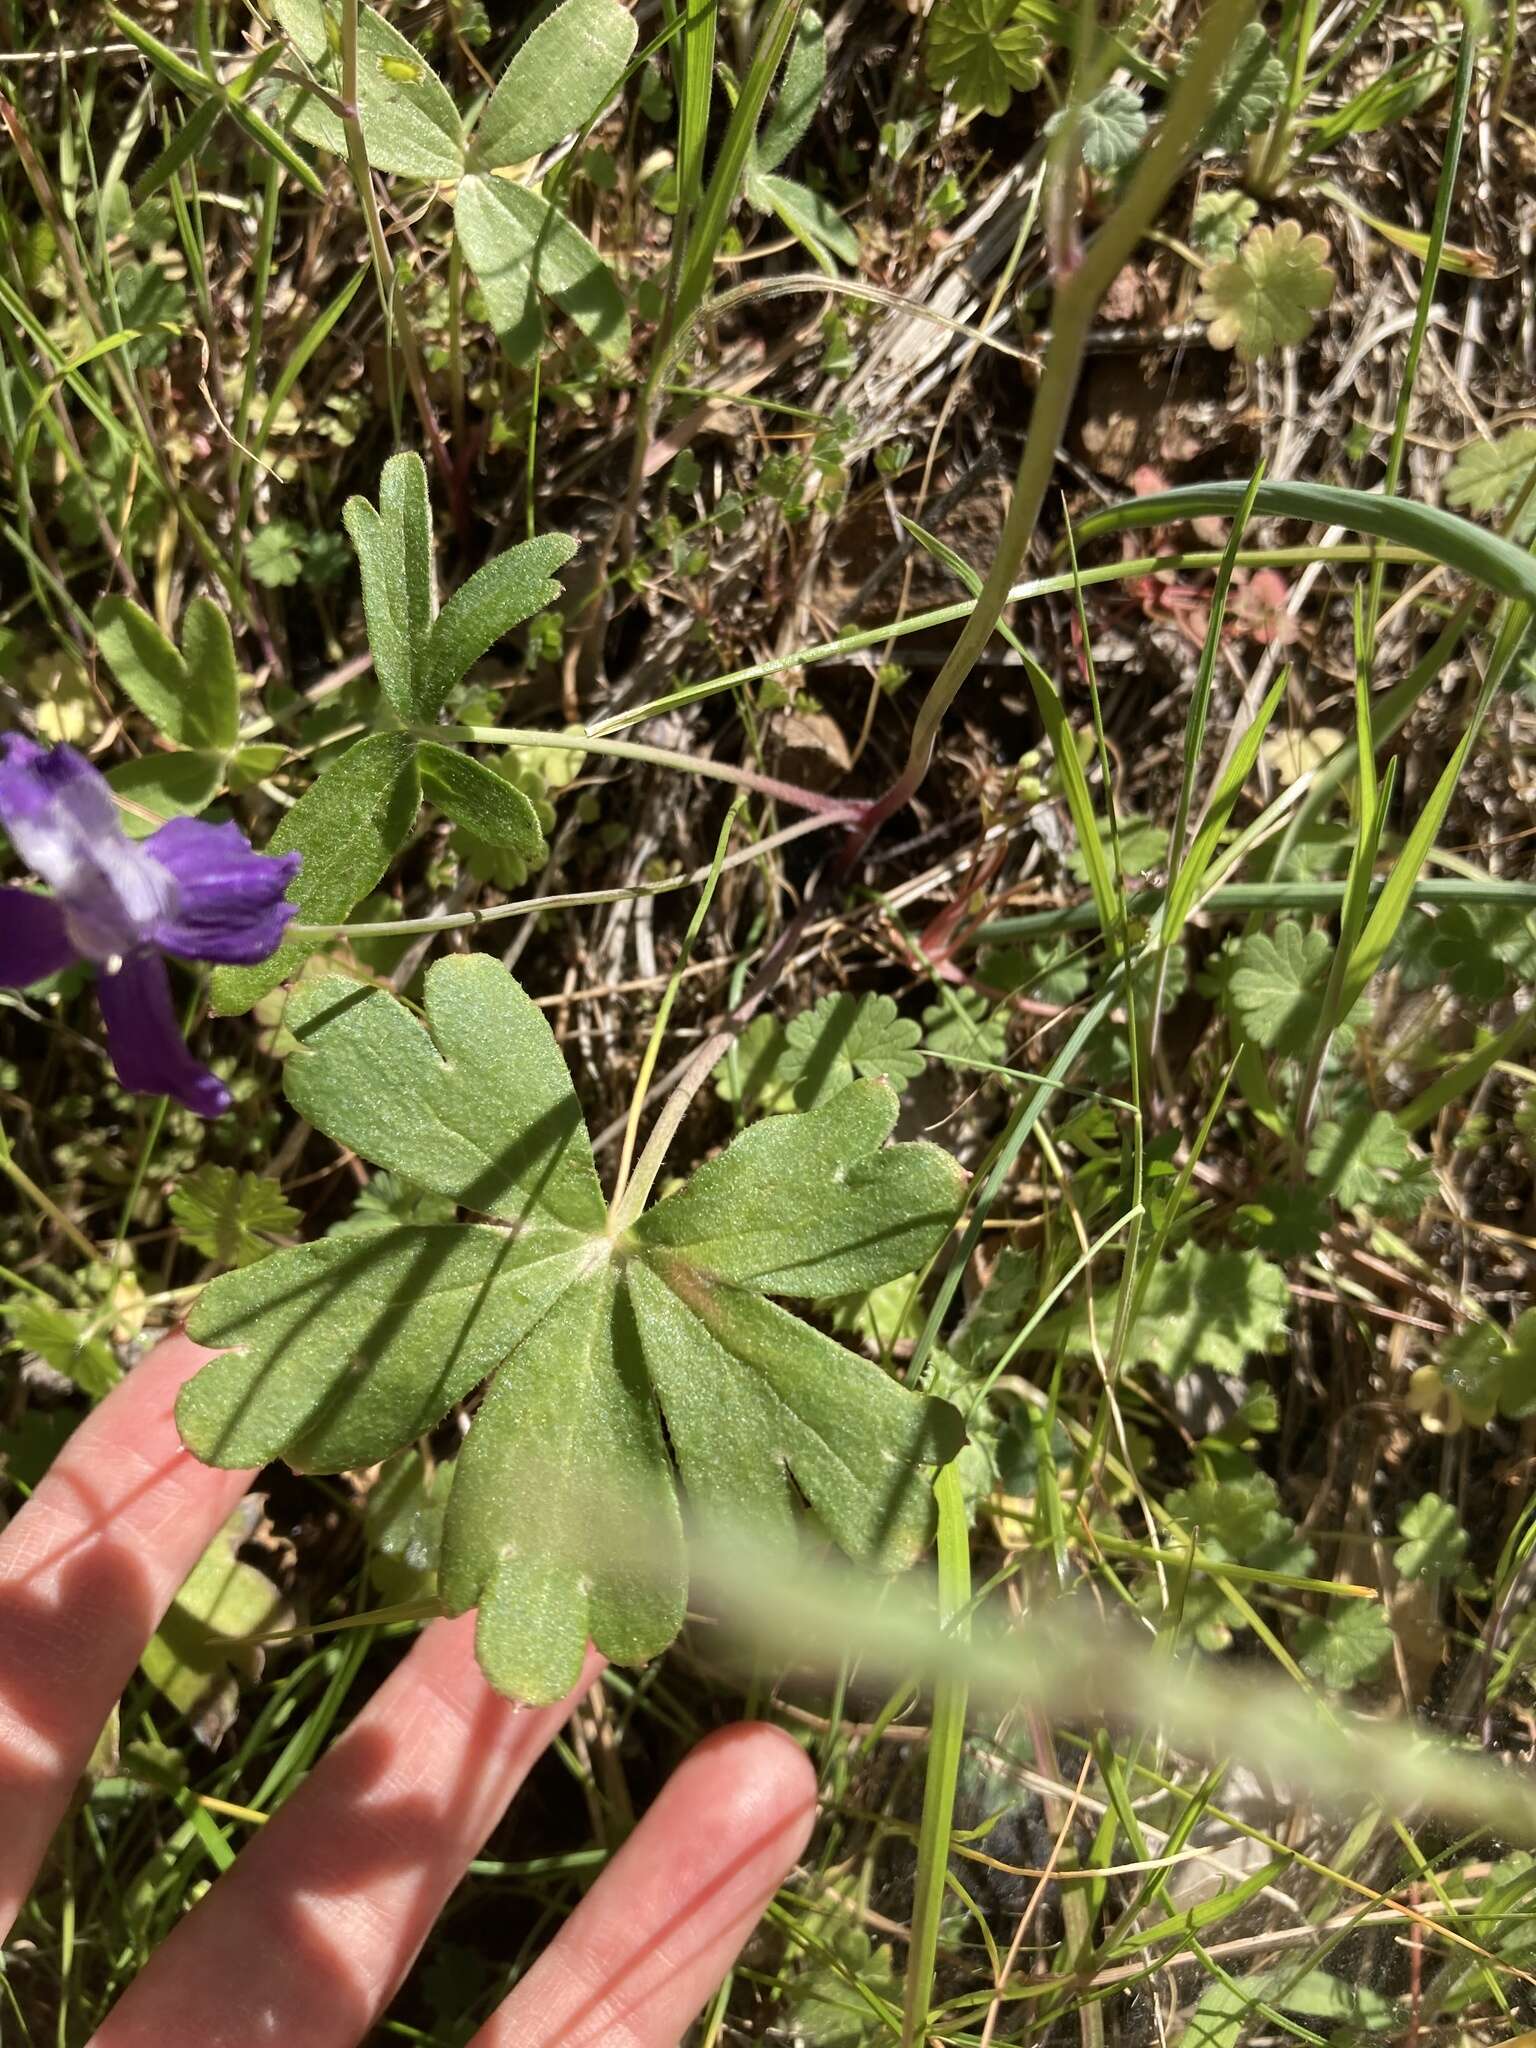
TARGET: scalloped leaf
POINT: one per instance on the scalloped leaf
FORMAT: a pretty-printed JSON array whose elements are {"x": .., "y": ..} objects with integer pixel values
[{"x": 1268, "y": 296}]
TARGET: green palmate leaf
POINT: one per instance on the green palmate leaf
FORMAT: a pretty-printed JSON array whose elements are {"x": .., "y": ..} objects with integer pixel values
[
  {"x": 836, "y": 2001},
  {"x": 1366, "y": 1161},
  {"x": 201, "y": 1652},
  {"x": 192, "y": 697},
  {"x": 522, "y": 249},
  {"x": 409, "y": 122},
  {"x": 967, "y": 1026},
  {"x": 229, "y": 1215},
  {"x": 844, "y": 1037},
  {"x": 1487, "y": 476},
  {"x": 1277, "y": 985},
  {"x": 348, "y": 825},
  {"x": 509, "y": 589},
  {"x": 1248, "y": 93},
  {"x": 799, "y": 94},
  {"x": 984, "y": 51},
  {"x": 480, "y": 800},
  {"x": 1111, "y": 128},
  {"x": 749, "y": 1075},
  {"x": 1200, "y": 1308},
  {"x": 1268, "y": 296},
  {"x": 60, "y": 1338},
  {"x": 556, "y": 81},
  {"x": 1434, "y": 1544},
  {"x": 1219, "y": 223},
  {"x": 606, "y": 1348},
  {"x": 1346, "y": 1647}
]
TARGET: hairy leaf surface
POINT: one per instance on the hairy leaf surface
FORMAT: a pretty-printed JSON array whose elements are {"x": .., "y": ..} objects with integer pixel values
[{"x": 603, "y": 1346}]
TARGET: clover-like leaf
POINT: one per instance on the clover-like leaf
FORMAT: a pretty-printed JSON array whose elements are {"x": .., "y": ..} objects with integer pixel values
[
  {"x": 556, "y": 80},
  {"x": 984, "y": 51},
  {"x": 611, "y": 1351},
  {"x": 523, "y": 250},
  {"x": 192, "y": 696},
  {"x": 1269, "y": 295},
  {"x": 409, "y": 122},
  {"x": 844, "y": 1037}
]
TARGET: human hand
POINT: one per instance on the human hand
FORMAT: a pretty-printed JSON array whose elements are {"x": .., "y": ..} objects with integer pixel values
[{"x": 307, "y": 1937}]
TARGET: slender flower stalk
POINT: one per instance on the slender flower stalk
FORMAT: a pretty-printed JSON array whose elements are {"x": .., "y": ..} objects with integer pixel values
[{"x": 192, "y": 890}]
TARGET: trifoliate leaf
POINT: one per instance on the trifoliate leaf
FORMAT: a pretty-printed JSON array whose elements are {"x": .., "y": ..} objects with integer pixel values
[
  {"x": 1268, "y": 296},
  {"x": 228, "y": 1216},
  {"x": 62, "y": 1339},
  {"x": 409, "y": 122},
  {"x": 200, "y": 1653},
  {"x": 750, "y": 1076},
  {"x": 1112, "y": 127},
  {"x": 1219, "y": 223},
  {"x": 1347, "y": 1647},
  {"x": 983, "y": 51},
  {"x": 611, "y": 1351},
  {"x": 844, "y": 1037},
  {"x": 967, "y": 1026},
  {"x": 1367, "y": 1161},
  {"x": 1250, "y": 89},
  {"x": 1201, "y": 1308},
  {"x": 1277, "y": 985},
  {"x": 1487, "y": 476},
  {"x": 557, "y": 79},
  {"x": 1434, "y": 1544}
]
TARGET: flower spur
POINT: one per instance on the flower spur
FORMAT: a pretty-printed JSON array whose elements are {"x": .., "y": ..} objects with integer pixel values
[{"x": 194, "y": 890}]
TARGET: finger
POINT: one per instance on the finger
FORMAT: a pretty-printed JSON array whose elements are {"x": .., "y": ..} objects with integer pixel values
[
  {"x": 87, "y": 1569},
  {"x": 308, "y": 1936},
  {"x": 656, "y": 1934}
]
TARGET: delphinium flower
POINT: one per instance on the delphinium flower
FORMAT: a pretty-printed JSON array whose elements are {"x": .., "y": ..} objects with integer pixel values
[{"x": 194, "y": 890}]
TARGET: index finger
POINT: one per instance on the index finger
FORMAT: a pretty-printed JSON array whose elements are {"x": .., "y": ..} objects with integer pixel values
[{"x": 87, "y": 1570}]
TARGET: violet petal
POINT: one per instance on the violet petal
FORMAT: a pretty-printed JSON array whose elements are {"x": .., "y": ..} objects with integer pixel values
[
  {"x": 33, "y": 940},
  {"x": 145, "y": 1039},
  {"x": 229, "y": 903},
  {"x": 62, "y": 821}
]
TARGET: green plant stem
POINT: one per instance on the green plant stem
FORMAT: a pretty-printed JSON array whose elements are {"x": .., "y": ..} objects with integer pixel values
[
  {"x": 397, "y": 320},
  {"x": 630, "y": 1196},
  {"x": 45, "y": 1204},
  {"x": 830, "y": 807},
  {"x": 536, "y": 906},
  {"x": 1076, "y": 301},
  {"x": 945, "y": 1741},
  {"x": 1021, "y": 593},
  {"x": 1466, "y": 66},
  {"x": 1238, "y": 899}
]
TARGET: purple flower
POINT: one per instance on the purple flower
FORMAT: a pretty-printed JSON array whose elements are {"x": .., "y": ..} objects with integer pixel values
[{"x": 194, "y": 890}]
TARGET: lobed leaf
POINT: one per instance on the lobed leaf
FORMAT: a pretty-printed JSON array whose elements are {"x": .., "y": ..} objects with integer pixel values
[
  {"x": 480, "y": 800},
  {"x": 477, "y": 1105},
  {"x": 509, "y": 589},
  {"x": 194, "y": 699},
  {"x": 814, "y": 1205},
  {"x": 349, "y": 825}
]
